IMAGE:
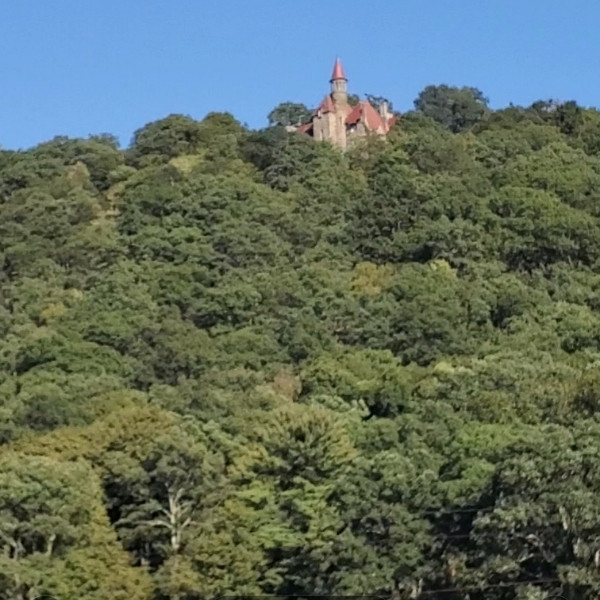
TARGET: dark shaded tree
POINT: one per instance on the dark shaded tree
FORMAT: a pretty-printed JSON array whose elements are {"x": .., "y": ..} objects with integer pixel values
[
  {"x": 289, "y": 113},
  {"x": 457, "y": 109}
]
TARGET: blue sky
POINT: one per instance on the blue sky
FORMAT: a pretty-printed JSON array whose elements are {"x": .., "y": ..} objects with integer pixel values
[{"x": 77, "y": 67}]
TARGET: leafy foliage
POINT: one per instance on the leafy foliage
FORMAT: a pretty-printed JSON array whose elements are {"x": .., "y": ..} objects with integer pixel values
[
  {"x": 289, "y": 113},
  {"x": 458, "y": 109},
  {"x": 242, "y": 362}
]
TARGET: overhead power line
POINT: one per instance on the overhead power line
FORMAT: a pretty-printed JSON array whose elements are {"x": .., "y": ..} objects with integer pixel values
[{"x": 487, "y": 587}]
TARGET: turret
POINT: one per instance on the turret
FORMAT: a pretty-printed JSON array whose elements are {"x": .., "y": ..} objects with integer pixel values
[{"x": 339, "y": 83}]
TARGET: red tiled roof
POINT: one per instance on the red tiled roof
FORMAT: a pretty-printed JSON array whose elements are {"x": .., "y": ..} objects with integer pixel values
[
  {"x": 306, "y": 128},
  {"x": 354, "y": 115},
  {"x": 338, "y": 70},
  {"x": 374, "y": 120},
  {"x": 326, "y": 105},
  {"x": 365, "y": 112}
]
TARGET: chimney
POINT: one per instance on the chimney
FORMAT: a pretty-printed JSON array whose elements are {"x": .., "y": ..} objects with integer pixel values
[{"x": 384, "y": 111}]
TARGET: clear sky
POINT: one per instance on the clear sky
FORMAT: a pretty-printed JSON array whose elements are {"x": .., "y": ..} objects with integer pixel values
[{"x": 76, "y": 67}]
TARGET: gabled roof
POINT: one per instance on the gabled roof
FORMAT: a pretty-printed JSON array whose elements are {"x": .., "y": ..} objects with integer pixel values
[
  {"x": 306, "y": 128},
  {"x": 365, "y": 112},
  {"x": 392, "y": 121},
  {"x": 326, "y": 105}
]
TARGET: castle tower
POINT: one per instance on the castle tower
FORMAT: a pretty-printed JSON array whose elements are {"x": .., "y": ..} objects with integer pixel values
[
  {"x": 339, "y": 83},
  {"x": 339, "y": 96},
  {"x": 338, "y": 123}
]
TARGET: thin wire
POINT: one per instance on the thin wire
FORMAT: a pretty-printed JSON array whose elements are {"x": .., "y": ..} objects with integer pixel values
[
  {"x": 490, "y": 586},
  {"x": 458, "y": 510},
  {"x": 462, "y": 536},
  {"x": 443, "y": 512}
]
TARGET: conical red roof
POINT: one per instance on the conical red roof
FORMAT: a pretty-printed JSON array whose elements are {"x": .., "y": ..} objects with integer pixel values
[{"x": 338, "y": 70}]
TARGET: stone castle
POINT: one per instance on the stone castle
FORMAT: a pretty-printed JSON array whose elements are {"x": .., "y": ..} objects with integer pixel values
[{"x": 338, "y": 122}]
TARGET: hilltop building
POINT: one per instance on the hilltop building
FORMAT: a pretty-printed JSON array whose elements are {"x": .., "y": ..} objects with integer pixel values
[{"x": 336, "y": 121}]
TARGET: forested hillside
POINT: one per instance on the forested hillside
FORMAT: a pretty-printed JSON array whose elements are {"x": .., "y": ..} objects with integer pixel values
[{"x": 242, "y": 362}]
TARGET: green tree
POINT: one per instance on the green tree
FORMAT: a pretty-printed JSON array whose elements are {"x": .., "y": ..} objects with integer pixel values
[
  {"x": 51, "y": 517},
  {"x": 457, "y": 109},
  {"x": 378, "y": 101},
  {"x": 289, "y": 113},
  {"x": 161, "y": 140}
]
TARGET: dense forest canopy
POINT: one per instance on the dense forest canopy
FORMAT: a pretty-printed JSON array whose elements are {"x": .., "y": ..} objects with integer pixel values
[{"x": 243, "y": 362}]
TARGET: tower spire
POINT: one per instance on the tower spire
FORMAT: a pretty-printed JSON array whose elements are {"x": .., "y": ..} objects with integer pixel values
[
  {"x": 339, "y": 83},
  {"x": 338, "y": 70}
]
